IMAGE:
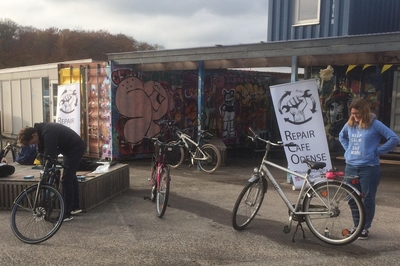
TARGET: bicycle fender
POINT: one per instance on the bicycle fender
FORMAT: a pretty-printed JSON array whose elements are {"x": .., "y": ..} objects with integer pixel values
[
  {"x": 331, "y": 181},
  {"x": 254, "y": 177}
]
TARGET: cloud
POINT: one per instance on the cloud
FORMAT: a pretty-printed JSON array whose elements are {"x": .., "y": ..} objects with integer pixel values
[{"x": 171, "y": 23}]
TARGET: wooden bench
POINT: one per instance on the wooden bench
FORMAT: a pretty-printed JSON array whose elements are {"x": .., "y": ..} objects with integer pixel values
[
  {"x": 221, "y": 147},
  {"x": 96, "y": 189}
]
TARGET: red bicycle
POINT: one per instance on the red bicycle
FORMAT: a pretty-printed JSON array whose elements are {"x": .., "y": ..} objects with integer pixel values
[{"x": 160, "y": 174}]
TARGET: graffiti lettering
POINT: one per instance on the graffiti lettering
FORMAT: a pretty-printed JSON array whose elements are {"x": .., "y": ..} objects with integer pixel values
[
  {"x": 387, "y": 58},
  {"x": 119, "y": 75}
]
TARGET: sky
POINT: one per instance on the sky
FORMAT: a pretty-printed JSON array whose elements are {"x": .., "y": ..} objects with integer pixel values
[{"x": 173, "y": 24}]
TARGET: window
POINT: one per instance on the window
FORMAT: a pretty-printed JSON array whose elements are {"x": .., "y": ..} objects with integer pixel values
[{"x": 306, "y": 12}]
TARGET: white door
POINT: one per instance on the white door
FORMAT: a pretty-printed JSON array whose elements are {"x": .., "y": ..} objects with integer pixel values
[{"x": 50, "y": 101}]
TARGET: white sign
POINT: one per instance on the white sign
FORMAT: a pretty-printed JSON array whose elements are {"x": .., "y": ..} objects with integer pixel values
[
  {"x": 69, "y": 106},
  {"x": 299, "y": 117}
]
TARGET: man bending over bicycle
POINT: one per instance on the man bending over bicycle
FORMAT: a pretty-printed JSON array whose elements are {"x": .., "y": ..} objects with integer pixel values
[{"x": 53, "y": 139}]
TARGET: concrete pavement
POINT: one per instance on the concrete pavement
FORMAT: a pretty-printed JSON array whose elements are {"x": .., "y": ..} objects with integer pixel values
[{"x": 197, "y": 230}]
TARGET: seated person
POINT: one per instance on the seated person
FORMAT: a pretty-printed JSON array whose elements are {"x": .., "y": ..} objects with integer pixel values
[
  {"x": 27, "y": 154},
  {"x": 5, "y": 169}
]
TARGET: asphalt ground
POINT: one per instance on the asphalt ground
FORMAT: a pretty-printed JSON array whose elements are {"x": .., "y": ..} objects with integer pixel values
[{"x": 197, "y": 230}]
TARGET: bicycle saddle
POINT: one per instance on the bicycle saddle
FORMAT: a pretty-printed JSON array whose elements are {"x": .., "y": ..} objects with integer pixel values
[{"x": 314, "y": 165}]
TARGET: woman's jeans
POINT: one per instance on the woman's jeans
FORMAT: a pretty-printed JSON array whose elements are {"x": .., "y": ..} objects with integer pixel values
[{"x": 369, "y": 177}]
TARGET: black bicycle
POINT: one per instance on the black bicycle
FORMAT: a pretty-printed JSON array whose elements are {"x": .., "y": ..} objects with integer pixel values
[
  {"x": 13, "y": 148},
  {"x": 38, "y": 211}
]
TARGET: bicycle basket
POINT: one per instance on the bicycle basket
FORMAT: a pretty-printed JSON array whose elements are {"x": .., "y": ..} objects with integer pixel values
[{"x": 171, "y": 154}]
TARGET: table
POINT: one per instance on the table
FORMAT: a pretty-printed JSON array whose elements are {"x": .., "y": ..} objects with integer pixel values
[{"x": 96, "y": 189}]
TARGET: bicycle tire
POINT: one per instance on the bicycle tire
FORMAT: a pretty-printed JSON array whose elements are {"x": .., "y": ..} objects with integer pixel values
[
  {"x": 335, "y": 227},
  {"x": 180, "y": 156},
  {"x": 163, "y": 192},
  {"x": 213, "y": 161},
  {"x": 248, "y": 203},
  {"x": 34, "y": 226},
  {"x": 153, "y": 192}
]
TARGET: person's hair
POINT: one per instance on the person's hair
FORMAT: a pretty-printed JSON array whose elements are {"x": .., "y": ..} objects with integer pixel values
[
  {"x": 362, "y": 106},
  {"x": 25, "y": 135}
]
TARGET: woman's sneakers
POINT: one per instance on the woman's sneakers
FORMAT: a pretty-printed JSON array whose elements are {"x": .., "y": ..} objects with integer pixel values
[{"x": 363, "y": 235}]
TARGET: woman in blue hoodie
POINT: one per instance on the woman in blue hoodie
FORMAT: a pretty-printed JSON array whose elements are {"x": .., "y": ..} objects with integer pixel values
[{"x": 361, "y": 139}]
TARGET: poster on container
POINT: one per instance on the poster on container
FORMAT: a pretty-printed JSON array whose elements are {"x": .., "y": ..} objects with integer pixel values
[
  {"x": 300, "y": 121},
  {"x": 68, "y": 106}
]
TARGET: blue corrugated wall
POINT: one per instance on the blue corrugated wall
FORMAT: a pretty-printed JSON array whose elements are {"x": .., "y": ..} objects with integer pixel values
[{"x": 337, "y": 18}]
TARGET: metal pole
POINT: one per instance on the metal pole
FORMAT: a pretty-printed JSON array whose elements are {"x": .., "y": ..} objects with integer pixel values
[
  {"x": 294, "y": 72},
  {"x": 200, "y": 98}
]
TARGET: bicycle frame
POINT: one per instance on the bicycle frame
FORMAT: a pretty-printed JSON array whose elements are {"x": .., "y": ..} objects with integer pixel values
[
  {"x": 158, "y": 175},
  {"x": 188, "y": 143}
]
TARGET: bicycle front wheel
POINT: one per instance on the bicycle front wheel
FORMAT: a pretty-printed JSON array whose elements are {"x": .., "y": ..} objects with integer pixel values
[
  {"x": 248, "y": 204},
  {"x": 209, "y": 158},
  {"x": 339, "y": 212},
  {"x": 33, "y": 222},
  {"x": 163, "y": 192}
]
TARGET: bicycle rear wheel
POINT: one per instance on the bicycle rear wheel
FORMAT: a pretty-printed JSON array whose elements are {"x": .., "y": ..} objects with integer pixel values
[
  {"x": 34, "y": 224},
  {"x": 248, "y": 204},
  {"x": 163, "y": 192},
  {"x": 340, "y": 208},
  {"x": 212, "y": 161},
  {"x": 179, "y": 156}
]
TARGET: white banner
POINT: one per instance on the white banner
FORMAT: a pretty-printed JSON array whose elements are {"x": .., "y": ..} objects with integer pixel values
[
  {"x": 69, "y": 106},
  {"x": 299, "y": 116}
]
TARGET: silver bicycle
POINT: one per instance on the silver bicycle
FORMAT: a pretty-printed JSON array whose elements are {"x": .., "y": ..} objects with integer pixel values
[{"x": 332, "y": 209}]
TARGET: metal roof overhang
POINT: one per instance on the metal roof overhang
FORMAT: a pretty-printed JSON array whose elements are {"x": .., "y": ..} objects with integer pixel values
[{"x": 348, "y": 50}]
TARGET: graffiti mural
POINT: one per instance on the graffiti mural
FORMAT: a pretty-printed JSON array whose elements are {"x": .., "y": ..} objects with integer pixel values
[
  {"x": 227, "y": 110},
  {"x": 233, "y": 101},
  {"x": 140, "y": 105}
]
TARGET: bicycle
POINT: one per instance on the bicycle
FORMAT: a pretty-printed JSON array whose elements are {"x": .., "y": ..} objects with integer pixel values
[
  {"x": 160, "y": 175},
  {"x": 206, "y": 155},
  {"x": 328, "y": 207},
  {"x": 13, "y": 148},
  {"x": 38, "y": 211}
]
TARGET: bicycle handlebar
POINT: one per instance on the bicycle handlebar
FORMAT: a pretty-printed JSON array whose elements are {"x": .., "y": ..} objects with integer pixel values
[
  {"x": 41, "y": 156},
  {"x": 256, "y": 137}
]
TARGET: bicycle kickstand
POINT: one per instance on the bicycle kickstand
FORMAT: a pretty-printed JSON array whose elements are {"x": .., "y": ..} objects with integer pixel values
[{"x": 297, "y": 227}]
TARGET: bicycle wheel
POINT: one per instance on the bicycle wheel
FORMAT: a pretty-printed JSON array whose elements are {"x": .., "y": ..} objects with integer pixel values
[
  {"x": 153, "y": 193},
  {"x": 212, "y": 161},
  {"x": 179, "y": 157},
  {"x": 248, "y": 203},
  {"x": 32, "y": 224},
  {"x": 163, "y": 192},
  {"x": 339, "y": 208}
]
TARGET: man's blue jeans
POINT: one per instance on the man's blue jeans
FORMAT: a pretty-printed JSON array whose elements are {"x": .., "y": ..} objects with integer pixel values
[{"x": 369, "y": 177}]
